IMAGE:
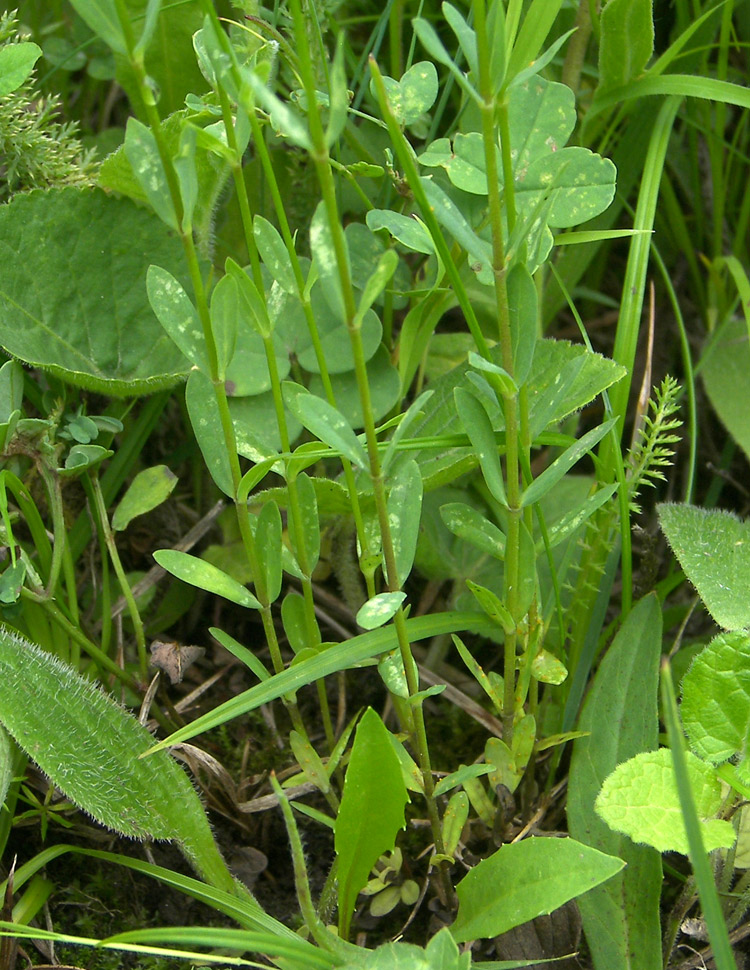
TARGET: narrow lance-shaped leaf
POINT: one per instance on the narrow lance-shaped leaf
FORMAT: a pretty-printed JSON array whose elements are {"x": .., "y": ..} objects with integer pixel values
[
  {"x": 371, "y": 812},
  {"x": 562, "y": 465},
  {"x": 205, "y": 576},
  {"x": 476, "y": 424},
  {"x": 524, "y": 880},
  {"x": 404, "y": 514},
  {"x": 325, "y": 422}
]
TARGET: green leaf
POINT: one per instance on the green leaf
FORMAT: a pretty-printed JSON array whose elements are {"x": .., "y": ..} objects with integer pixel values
[
  {"x": 414, "y": 94},
  {"x": 175, "y": 312},
  {"x": 274, "y": 254},
  {"x": 205, "y": 576},
  {"x": 713, "y": 547},
  {"x": 6, "y": 765},
  {"x": 148, "y": 489},
  {"x": 468, "y": 523},
  {"x": 328, "y": 424},
  {"x": 294, "y": 622},
  {"x": 142, "y": 153},
  {"x": 562, "y": 465},
  {"x": 640, "y": 799},
  {"x": 86, "y": 319},
  {"x": 309, "y": 761},
  {"x": 101, "y": 16},
  {"x": 378, "y": 610},
  {"x": 477, "y": 425},
  {"x": 620, "y": 718},
  {"x": 724, "y": 368},
  {"x": 16, "y": 64},
  {"x": 546, "y": 668},
  {"x": 410, "y": 232},
  {"x": 524, "y": 880},
  {"x": 268, "y": 545},
  {"x": 434, "y": 47},
  {"x": 524, "y": 323},
  {"x": 245, "y": 656},
  {"x": 715, "y": 707},
  {"x": 404, "y": 516},
  {"x": 338, "y": 101},
  {"x": 492, "y": 605},
  {"x": 371, "y": 812},
  {"x": 170, "y": 60},
  {"x": 252, "y": 301},
  {"x": 626, "y": 42},
  {"x": 225, "y": 314},
  {"x": 83, "y": 727},
  {"x": 310, "y": 521}
]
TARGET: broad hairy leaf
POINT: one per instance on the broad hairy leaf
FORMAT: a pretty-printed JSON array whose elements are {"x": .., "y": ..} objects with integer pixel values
[
  {"x": 620, "y": 718},
  {"x": 640, "y": 799},
  {"x": 715, "y": 708},
  {"x": 73, "y": 293},
  {"x": 91, "y": 750},
  {"x": 524, "y": 880},
  {"x": 371, "y": 812},
  {"x": 713, "y": 547}
]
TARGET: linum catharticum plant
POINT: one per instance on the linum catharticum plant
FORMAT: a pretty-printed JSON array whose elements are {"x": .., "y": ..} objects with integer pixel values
[{"x": 329, "y": 411}]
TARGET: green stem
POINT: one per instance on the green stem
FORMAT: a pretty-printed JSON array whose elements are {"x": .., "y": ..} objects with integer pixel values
[
  {"x": 94, "y": 492},
  {"x": 319, "y": 155}
]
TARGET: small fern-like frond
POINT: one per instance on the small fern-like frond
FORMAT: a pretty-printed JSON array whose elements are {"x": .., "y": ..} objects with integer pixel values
[
  {"x": 36, "y": 150},
  {"x": 654, "y": 450}
]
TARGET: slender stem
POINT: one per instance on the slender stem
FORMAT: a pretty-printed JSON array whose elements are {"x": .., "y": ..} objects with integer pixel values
[
  {"x": 319, "y": 155},
  {"x": 94, "y": 492}
]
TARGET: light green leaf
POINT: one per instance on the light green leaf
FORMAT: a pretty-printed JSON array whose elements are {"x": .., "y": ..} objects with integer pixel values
[
  {"x": 308, "y": 506},
  {"x": 371, "y": 812},
  {"x": 640, "y": 799},
  {"x": 83, "y": 727},
  {"x": 626, "y": 42},
  {"x": 142, "y": 153},
  {"x": 434, "y": 47},
  {"x": 86, "y": 319},
  {"x": 101, "y": 16},
  {"x": 268, "y": 544},
  {"x": 724, "y": 368},
  {"x": 524, "y": 880},
  {"x": 274, "y": 254},
  {"x": 205, "y": 576},
  {"x": 547, "y": 669},
  {"x": 414, "y": 94},
  {"x": 148, "y": 489},
  {"x": 225, "y": 313},
  {"x": 410, "y": 232},
  {"x": 404, "y": 516},
  {"x": 175, "y": 311},
  {"x": 562, "y": 465},
  {"x": 16, "y": 64},
  {"x": 378, "y": 610},
  {"x": 6, "y": 766},
  {"x": 713, "y": 547},
  {"x": 252, "y": 301},
  {"x": 715, "y": 707},
  {"x": 492, "y": 605},
  {"x": 468, "y": 523},
  {"x": 477, "y": 425},
  {"x": 309, "y": 761},
  {"x": 325, "y": 422}
]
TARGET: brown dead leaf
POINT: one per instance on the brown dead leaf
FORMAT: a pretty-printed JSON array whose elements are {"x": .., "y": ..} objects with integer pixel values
[{"x": 173, "y": 658}]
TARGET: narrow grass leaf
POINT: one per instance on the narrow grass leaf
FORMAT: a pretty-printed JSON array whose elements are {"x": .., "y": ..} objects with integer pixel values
[
  {"x": 524, "y": 880},
  {"x": 245, "y": 656},
  {"x": 371, "y": 812},
  {"x": 205, "y": 576},
  {"x": 694, "y": 829}
]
